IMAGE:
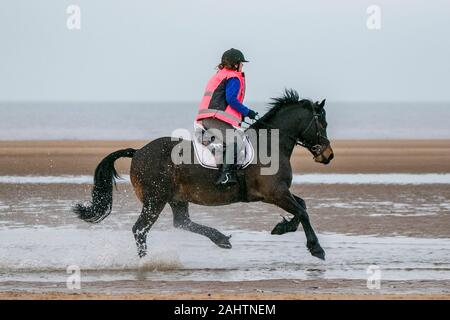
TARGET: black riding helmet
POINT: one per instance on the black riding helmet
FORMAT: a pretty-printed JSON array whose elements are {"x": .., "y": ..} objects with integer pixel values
[{"x": 233, "y": 56}]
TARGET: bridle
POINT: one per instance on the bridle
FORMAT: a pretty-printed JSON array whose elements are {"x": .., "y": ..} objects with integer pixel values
[{"x": 318, "y": 148}]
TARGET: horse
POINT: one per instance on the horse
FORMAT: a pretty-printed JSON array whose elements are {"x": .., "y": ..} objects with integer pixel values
[{"x": 158, "y": 181}]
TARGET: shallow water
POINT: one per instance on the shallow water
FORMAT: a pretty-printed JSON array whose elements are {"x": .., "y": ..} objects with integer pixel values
[
  {"x": 43, "y": 254},
  {"x": 40, "y": 237}
]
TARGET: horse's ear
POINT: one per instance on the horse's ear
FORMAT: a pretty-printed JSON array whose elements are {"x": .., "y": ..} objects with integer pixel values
[{"x": 322, "y": 104}]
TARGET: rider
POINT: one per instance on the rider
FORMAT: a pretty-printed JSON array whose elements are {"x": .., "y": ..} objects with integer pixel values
[{"x": 221, "y": 107}]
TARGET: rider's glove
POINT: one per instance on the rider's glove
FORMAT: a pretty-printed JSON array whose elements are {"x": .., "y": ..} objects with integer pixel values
[{"x": 252, "y": 114}]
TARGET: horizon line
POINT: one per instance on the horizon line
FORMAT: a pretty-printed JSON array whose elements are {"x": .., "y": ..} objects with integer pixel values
[{"x": 197, "y": 101}]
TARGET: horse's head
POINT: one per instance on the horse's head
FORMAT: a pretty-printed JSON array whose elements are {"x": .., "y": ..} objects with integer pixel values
[
  {"x": 313, "y": 135},
  {"x": 302, "y": 121}
]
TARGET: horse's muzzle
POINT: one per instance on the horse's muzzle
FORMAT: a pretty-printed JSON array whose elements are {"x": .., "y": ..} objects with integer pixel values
[{"x": 325, "y": 156}]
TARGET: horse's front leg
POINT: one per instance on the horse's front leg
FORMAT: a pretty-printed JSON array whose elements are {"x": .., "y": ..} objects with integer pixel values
[
  {"x": 297, "y": 207},
  {"x": 300, "y": 201},
  {"x": 286, "y": 226}
]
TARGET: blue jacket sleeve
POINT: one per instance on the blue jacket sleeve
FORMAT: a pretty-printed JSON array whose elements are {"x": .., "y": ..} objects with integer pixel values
[{"x": 231, "y": 92}]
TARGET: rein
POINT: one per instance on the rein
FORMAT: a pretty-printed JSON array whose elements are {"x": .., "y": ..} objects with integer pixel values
[{"x": 296, "y": 140}]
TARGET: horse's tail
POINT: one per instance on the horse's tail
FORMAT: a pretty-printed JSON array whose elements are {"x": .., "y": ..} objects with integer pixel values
[{"x": 105, "y": 176}]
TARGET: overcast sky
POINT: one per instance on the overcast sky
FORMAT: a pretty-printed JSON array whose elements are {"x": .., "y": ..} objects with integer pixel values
[{"x": 166, "y": 50}]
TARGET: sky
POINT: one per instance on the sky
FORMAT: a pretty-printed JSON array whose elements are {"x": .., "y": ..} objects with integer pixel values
[{"x": 147, "y": 50}]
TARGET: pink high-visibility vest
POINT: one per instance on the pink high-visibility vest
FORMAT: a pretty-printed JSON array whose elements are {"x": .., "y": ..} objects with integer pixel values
[{"x": 214, "y": 103}]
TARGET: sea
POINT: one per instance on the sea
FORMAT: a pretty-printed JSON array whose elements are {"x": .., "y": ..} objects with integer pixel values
[{"x": 143, "y": 121}]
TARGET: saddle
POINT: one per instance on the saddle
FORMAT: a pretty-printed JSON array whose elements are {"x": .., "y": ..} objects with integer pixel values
[{"x": 205, "y": 147}]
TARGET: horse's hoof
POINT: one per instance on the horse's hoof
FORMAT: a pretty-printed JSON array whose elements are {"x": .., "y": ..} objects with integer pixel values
[
  {"x": 279, "y": 229},
  {"x": 283, "y": 227},
  {"x": 223, "y": 243},
  {"x": 318, "y": 252}
]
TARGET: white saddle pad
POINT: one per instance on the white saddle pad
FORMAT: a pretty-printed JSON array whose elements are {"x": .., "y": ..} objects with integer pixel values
[{"x": 205, "y": 156}]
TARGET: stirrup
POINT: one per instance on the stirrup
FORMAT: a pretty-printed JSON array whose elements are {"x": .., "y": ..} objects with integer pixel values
[{"x": 228, "y": 179}]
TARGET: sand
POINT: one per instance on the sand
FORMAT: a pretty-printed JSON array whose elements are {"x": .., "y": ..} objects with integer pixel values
[
  {"x": 218, "y": 296},
  {"x": 365, "y": 156},
  {"x": 280, "y": 289}
]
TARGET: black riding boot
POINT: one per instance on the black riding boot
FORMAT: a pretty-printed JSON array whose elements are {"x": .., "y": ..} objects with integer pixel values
[{"x": 227, "y": 172}]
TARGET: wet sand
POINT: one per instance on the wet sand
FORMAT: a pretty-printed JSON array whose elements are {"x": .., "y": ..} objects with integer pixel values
[
  {"x": 380, "y": 210},
  {"x": 280, "y": 289},
  {"x": 220, "y": 296}
]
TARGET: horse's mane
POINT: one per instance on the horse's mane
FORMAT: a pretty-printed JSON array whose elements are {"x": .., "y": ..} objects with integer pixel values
[{"x": 289, "y": 97}]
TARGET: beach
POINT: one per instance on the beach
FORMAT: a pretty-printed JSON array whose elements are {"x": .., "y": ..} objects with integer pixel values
[
  {"x": 402, "y": 227},
  {"x": 352, "y": 156},
  {"x": 86, "y": 82}
]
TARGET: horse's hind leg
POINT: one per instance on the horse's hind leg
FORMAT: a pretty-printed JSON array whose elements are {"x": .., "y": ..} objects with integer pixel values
[
  {"x": 149, "y": 215},
  {"x": 182, "y": 220}
]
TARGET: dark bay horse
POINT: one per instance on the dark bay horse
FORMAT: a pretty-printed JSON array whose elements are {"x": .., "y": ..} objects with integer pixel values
[{"x": 157, "y": 180}]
